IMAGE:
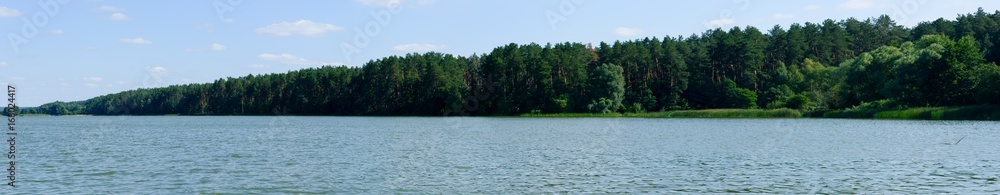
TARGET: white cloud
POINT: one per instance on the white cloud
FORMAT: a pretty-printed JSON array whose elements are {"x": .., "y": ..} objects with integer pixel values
[
  {"x": 781, "y": 16},
  {"x": 158, "y": 69},
  {"x": 720, "y": 22},
  {"x": 628, "y": 32},
  {"x": 139, "y": 40},
  {"x": 218, "y": 47},
  {"x": 213, "y": 47},
  {"x": 284, "y": 59},
  {"x": 257, "y": 66},
  {"x": 110, "y": 8},
  {"x": 91, "y": 85},
  {"x": 4, "y": 64},
  {"x": 301, "y": 27},
  {"x": 811, "y": 7},
  {"x": 419, "y": 47},
  {"x": 56, "y": 32},
  {"x": 862, "y": 4},
  {"x": 119, "y": 16},
  {"x": 9, "y": 12},
  {"x": 94, "y": 79}
]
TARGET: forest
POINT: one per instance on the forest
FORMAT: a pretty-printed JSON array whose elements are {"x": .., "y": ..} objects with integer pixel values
[{"x": 852, "y": 63}]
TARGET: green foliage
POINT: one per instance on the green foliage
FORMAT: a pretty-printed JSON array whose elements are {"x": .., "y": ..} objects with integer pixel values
[
  {"x": 607, "y": 88},
  {"x": 57, "y": 108},
  {"x": 975, "y": 112},
  {"x": 806, "y": 67},
  {"x": 322, "y": 90},
  {"x": 573, "y": 115},
  {"x": 724, "y": 113},
  {"x": 884, "y": 104},
  {"x": 798, "y": 102},
  {"x": 602, "y": 106},
  {"x": 934, "y": 71},
  {"x": 988, "y": 88},
  {"x": 635, "y": 108},
  {"x": 735, "y": 97}
]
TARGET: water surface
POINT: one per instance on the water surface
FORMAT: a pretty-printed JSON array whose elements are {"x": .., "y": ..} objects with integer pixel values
[{"x": 272, "y": 154}]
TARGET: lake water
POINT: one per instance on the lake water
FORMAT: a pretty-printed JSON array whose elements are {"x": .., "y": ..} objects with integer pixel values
[{"x": 373, "y": 155}]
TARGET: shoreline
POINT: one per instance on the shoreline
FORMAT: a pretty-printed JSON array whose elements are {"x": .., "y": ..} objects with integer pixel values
[{"x": 976, "y": 112}]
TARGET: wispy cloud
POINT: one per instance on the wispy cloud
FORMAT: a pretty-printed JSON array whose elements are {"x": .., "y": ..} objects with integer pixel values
[
  {"x": 9, "y": 12},
  {"x": 93, "y": 79},
  {"x": 119, "y": 16},
  {"x": 213, "y": 47},
  {"x": 284, "y": 58},
  {"x": 218, "y": 47},
  {"x": 629, "y": 32},
  {"x": 417, "y": 47},
  {"x": 4, "y": 64},
  {"x": 781, "y": 16},
  {"x": 301, "y": 27},
  {"x": 56, "y": 32},
  {"x": 158, "y": 69},
  {"x": 139, "y": 40}
]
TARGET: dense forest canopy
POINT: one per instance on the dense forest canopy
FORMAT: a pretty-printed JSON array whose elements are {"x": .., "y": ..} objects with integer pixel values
[{"x": 813, "y": 66}]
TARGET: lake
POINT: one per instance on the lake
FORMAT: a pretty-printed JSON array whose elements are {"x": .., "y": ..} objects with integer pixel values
[{"x": 383, "y": 155}]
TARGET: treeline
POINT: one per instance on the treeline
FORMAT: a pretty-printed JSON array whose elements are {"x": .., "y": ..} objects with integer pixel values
[
  {"x": 53, "y": 108},
  {"x": 813, "y": 66}
]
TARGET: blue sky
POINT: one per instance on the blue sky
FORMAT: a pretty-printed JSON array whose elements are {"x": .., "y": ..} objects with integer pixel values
[{"x": 70, "y": 50}]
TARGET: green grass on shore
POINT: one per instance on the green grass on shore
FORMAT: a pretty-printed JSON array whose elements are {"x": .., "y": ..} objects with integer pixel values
[
  {"x": 725, "y": 113},
  {"x": 714, "y": 113},
  {"x": 574, "y": 115},
  {"x": 32, "y": 115},
  {"x": 978, "y": 112}
]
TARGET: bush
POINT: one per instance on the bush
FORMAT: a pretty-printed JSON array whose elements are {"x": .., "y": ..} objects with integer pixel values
[
  {"x": 797, "y": 102},
  {"x": 636, "y": 108},
  {"x": 736, "y": 97},
  {"x": 602, "y": 106}
]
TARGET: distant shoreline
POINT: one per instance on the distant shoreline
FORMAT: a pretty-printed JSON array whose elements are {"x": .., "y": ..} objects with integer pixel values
[{"x": 978, "y": 112}]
